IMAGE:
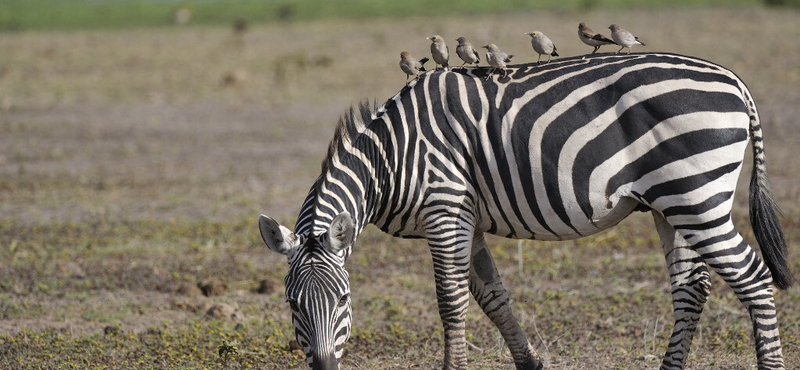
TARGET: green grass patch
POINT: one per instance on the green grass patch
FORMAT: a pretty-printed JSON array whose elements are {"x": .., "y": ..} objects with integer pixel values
[
  {"x": 189, "y": 345},
  {"x": 82, "y": 14}
]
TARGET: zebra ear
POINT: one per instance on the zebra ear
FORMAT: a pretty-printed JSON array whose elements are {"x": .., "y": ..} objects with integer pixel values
[
  {"x": 341, "y": 233},
  {"x": 277, "y": 237}
]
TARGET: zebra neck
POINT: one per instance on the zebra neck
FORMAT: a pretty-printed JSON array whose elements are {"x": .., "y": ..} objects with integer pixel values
[{"x": 346, "y": 186}]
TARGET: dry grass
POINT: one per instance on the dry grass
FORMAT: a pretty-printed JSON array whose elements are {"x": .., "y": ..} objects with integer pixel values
[{"x": 134, "y": 161}]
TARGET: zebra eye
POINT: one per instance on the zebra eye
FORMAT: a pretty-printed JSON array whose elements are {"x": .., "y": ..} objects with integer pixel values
[
  {"x": 343, "y": 300},
  {"x": 293, "y": 305}
]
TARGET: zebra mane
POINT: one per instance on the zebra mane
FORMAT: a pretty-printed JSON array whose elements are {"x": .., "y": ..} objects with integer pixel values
[{"x": 352, "y": 123}]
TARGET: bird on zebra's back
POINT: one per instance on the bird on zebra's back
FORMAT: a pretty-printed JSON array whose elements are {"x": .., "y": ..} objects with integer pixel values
[
  {"x": 411, "y": 66},
  {"x": 542, "y": 45},
  {"x": 496, "y": 58},
  {"x": 467, "y": 52},
  {"x": 624, "y": 38},
  {"x": 589, "y": 37},
  {"x": 439, "y": 51}
]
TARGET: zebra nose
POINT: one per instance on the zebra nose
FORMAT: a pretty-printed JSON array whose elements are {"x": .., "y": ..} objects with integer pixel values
[{"x": 327, "y": 362}]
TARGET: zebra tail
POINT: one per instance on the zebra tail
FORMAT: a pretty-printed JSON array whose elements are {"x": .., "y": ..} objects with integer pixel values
[{"x": 764, "y": 212}]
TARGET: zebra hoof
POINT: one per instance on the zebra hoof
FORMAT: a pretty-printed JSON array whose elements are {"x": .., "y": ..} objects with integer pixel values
[{"x": 530, "y": 364}]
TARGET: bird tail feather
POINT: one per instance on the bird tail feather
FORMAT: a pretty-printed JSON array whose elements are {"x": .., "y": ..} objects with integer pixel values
[{"x": 422, "y": 62}]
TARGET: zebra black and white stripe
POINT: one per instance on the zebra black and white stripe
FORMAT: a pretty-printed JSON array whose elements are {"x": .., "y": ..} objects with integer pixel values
[{"x": 549, "y": 153}]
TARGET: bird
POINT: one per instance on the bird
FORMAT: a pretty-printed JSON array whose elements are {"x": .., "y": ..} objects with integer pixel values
[
  {"x": 411, "y": 66},
  {"x": 623, "y": 38},
  {"x": 439, "y": 51},
  {"x": 592, "y": 38},
  {"x": 542, "y": 45},
  {"x": 496, "y": 58},
  {"x": 467, "y": 52}
]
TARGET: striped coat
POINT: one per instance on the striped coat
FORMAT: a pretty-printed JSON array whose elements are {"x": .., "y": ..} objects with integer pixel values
[{"x": 550, "y": 153}]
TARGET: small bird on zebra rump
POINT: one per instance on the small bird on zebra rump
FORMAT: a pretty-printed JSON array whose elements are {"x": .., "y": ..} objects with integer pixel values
[
  {"x": 542, "y": 45},
  {"x": 467, "y": 52},
  {"x": 411, "y": 66},
  {"x": 439, "y": 51},
  {"x": 624, "y": 38},
  {"x": 497, "y": 59},
  {"x": 589, "y": 37}
]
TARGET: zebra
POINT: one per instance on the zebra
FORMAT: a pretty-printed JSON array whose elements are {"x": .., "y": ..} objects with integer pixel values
[{"x": 550, "y": 152}]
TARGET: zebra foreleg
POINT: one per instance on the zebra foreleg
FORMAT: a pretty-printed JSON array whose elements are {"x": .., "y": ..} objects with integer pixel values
[
  {"x": 691, "y": 287},
  {"x": 487, "y": 288},
  {"x": 734, "y": 260},
  {"x": 451, "y": 265}
]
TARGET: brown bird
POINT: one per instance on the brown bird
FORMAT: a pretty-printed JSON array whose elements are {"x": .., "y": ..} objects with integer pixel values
[
  {"x": 542, "y": 45},
  {"x": 624, "y": 38},
  {"x": 496, "y": 58},
  {"x": 411, "y": 66},
  {"x": 467, "y": 52},
  {"x": 439, "y": 51},
  {"x": 592, "y": 38}
]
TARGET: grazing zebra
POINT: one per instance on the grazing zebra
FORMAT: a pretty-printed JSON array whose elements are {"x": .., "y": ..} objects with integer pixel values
[{"x": 548, "y": 153}]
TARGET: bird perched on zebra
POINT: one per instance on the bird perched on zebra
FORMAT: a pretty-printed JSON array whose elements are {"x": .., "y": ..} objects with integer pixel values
[
  {"x": 439, "y": 51},
  {"x": 467, "y": 52},
  {"x": 589, "y": 37},
  {"x": 624, "y": 38},
  {"x": 411, "y": 66},
  {"x": 497, "y": 59},
  {"x": 542, "y": 45}
]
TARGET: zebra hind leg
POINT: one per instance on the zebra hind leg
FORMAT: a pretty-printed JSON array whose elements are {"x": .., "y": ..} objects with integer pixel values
[
  {"x": 450, "y": 250},
  {"x": 487, "y": 288},
  {"x": 691, "y": 286},
  {"x": 726, "y": 252}
]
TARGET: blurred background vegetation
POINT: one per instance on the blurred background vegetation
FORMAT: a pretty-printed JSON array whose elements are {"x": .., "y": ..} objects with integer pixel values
[{"x": 79, "y": 14}]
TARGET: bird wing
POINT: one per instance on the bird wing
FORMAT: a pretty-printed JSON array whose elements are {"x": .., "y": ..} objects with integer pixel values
[
  {"x": 588, "y": 35},
  {"x": 475, "y": 53},
  {"x": 602, "y": 38}
]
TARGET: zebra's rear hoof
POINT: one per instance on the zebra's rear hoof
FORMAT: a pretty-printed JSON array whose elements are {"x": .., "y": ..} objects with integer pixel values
[{"x": 530, "y": 364}]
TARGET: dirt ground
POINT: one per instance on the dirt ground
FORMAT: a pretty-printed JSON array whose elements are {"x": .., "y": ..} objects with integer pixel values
[{"x": 134, "y": 163}]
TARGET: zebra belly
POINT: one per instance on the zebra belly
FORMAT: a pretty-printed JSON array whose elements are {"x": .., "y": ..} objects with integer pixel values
[{"x": 618, "y": 210}]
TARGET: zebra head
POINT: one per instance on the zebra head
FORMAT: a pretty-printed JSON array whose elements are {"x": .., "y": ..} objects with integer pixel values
[{"x": 317, "y": 286}]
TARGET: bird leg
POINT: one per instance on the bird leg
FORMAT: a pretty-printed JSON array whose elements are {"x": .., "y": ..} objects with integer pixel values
[
  {"x": 538, "y": 59},
  {"x": 595, "y": 49},
  {"x": 620, "y": 49},
  {"x": 489, "y": 75}
]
